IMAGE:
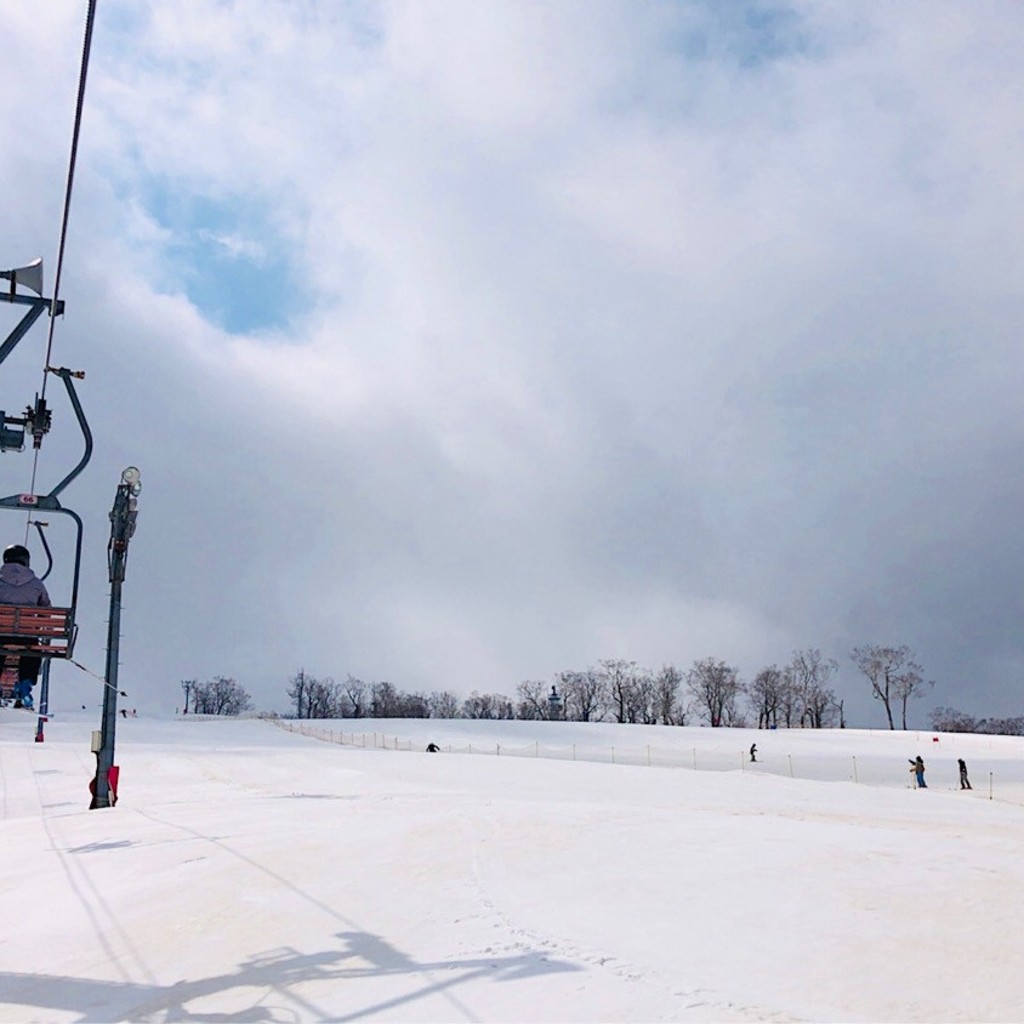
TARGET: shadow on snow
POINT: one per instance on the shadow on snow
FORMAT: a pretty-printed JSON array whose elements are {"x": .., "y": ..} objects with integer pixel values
[{"x": 283, "y": 978}]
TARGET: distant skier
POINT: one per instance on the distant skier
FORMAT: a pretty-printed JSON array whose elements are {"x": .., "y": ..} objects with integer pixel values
[
  {"x": 20, "y": 585},
  {"x": 965, "y": 783},
  {"x": 753, "y": 751},
  {"x": 432, "y": 748},
  {"x": 917, "y": 769}
]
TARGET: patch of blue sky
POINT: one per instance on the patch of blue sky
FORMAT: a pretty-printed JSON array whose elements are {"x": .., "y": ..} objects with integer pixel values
[
  {"x": 120, "y": 21},
  {"x": 748, "y": 38},
  {"x": 752, "y": 34},
  {"x": 229, "y": 260}
]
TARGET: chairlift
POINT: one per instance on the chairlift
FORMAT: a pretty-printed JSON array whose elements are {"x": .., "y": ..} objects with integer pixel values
[{"x": 30, "y": 629}]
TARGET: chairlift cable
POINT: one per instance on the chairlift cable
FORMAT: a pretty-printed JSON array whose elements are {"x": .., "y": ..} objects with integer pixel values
[
  {"x": 96, "y": 675},
  {"x": 83, "y": 73},
  {"x": 79, "y": 106}
]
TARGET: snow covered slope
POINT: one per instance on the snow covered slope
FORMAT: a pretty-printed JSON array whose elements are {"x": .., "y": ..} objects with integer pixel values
[{"x": 253, "y": 874}]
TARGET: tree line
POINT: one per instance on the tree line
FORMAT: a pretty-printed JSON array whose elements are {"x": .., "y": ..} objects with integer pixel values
[
  {"x": 951, "y": 720},
  {"x": 799, "y": 693},
  {"x": 220, "y": 695}
]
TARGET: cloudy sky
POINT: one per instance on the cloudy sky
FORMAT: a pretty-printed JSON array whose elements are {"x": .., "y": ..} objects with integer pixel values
[{"x": 463, "y": 342}]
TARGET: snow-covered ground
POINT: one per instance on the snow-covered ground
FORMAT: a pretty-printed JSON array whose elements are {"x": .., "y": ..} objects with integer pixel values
[{"x": 250, "y": 873}]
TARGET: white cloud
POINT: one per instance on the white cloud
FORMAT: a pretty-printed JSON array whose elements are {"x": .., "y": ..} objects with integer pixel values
[
  {"x": 235, "y": 247},
  {"x": 609, "y": 326}
]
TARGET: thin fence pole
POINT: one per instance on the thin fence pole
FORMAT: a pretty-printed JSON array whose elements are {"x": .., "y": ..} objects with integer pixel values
[
  {"x": 790, "y": 756},
  {"x": 990, "y": 785},
  {"x": 855, "y": 768}
]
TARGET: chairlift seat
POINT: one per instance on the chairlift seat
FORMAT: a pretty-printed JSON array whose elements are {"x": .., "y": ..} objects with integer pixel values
[
  {"x": 8, "y": 680},
  {"x": 31, "y": 629}
]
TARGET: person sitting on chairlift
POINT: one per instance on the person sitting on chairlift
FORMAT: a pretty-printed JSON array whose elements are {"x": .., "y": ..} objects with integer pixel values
[{"x": 20, "y": 585}]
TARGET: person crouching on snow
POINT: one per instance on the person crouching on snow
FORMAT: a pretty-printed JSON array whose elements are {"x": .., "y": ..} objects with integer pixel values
[{"x": 20, "y": 585}]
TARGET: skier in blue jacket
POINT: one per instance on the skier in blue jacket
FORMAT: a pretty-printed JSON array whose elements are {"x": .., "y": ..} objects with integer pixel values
[{"x": 20, "y": 585}]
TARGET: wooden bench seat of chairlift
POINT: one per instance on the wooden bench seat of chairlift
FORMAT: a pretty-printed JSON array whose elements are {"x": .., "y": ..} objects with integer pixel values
[{"x": 30, "y": 629}]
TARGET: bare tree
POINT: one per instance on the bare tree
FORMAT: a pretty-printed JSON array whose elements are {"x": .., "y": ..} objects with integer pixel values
[
  {"x": 715, "y": 688},
  {"x": 202, "y": 698},
  {"x": 443, "y": 704},
  {"x": 385, "y": 700},
  {"x": 532, "y": 700},
  {"x": 297, "y": 692},
  {"x": 413, "y": 705},
  {"x": 323, "y": 698},
  {"x": 908, "y": 683},
  {"x": 666, "y": 704},
  {"x": 645, "y": 699},
  {"x": 790, "y": 702},
  {"x": 894, "y": 675},
  {"x": 584, "y": 695},
  {"x": 221, "y": 696},
  {"x": 622, "y": 682},
  {"x": 765, "y": 693},
  {"x": 1002, "y": 726},
  {"x": 487, "y": 705},
  {"x": 951, "y": 720},
  {"x": 811, "y": 673},
  {"x": 353, "y": 698}
]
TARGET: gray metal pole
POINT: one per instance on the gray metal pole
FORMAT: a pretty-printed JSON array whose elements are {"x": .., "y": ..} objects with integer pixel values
[
  {"x": 105, "y": 757},
  {"x": 44, "y": 702},
  {"x": 122, "y": 526}
]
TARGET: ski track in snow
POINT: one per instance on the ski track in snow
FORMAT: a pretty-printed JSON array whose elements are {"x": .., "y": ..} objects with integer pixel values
[{"x": 695, "y": 1004}]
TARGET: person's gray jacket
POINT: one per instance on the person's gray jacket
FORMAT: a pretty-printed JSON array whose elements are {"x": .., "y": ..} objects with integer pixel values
[{"x": 20, "y": 585}]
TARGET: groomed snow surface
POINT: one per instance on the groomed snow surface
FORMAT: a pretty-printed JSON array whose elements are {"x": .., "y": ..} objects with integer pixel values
[{"x": 249, "y": 873}]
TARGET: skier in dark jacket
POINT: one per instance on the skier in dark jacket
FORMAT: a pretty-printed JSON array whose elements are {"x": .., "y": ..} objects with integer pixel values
[
  {"x": 965, "y": 783},
  {"x": 20, "y": 585},
  {"x": 917, "y": 767}
]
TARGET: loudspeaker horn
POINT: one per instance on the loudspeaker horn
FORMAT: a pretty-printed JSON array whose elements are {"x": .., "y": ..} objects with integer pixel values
[{"x": 30, "y": 277}]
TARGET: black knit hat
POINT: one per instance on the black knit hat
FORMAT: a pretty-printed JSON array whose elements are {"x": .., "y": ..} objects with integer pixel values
[{"x": 17, "y": 553}]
